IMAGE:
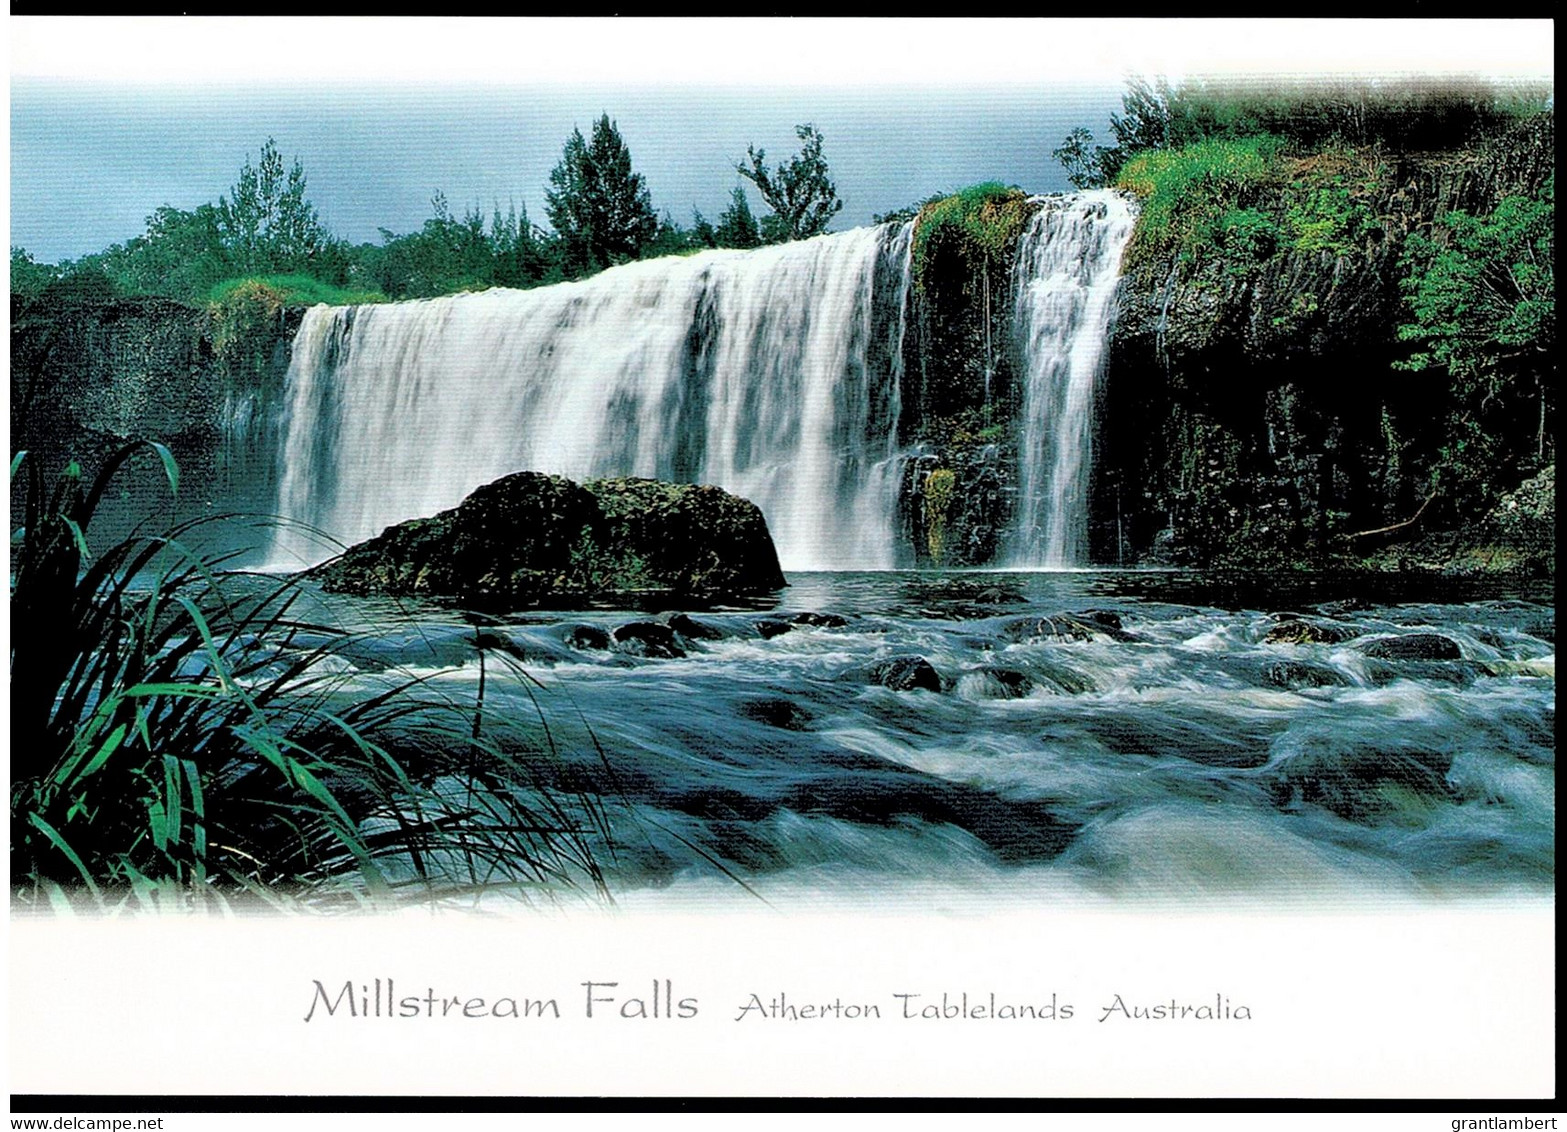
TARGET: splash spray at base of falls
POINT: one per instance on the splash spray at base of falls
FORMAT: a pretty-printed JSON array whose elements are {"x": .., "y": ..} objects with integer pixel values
[{"x": 1069, "y": 260}]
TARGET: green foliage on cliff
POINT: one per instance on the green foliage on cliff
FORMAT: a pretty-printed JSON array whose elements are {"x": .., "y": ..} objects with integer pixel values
[
  {"x": 939, "y": 487},
  {"x": 1337, "y": 355},
  {"x": 1246, "y": 200},
  {"x": 290, "y": 291},
  {"x": 1195, "y": 196},
  {"x": 981, "y": 224},
  {"x": 1481, "y": 293},
  {"x": 1482, "y": 290},
  {"x": 1400, "y": 114},
  {"x": 246, "y": 321}
]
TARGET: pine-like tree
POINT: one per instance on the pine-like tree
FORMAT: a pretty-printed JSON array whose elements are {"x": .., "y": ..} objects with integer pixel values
[
  {"x": 599, "y": 208},
  {"x": 737, "y": 226}
]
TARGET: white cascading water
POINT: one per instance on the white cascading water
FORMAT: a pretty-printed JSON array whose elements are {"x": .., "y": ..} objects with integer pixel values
[
  {"x": 1069, "y": 261},
  {"x": 772, "y": 373}
]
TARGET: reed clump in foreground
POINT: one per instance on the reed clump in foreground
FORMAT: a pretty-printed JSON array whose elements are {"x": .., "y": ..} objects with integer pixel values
[{"x": 183, "y": 738}]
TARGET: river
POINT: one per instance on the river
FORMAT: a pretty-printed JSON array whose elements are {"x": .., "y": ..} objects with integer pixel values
[{"x": 1090, "y": 735}]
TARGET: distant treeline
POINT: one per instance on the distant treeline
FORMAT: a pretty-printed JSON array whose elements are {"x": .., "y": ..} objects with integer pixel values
[
  {"x": 599, "y": 209},
  {"x": 1403, "y": 115}
]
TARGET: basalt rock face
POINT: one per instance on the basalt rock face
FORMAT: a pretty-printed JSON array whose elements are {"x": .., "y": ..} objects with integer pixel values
[
  {"x": 86, "y": 376},
  {"x": 1251, "y": 411},
  {"x": 530, "y": 539},
  {"x": 1516, "y": 537}
]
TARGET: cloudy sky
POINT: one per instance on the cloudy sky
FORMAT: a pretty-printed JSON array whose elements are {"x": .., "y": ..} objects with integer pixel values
[{"x": 111, "y": 118}]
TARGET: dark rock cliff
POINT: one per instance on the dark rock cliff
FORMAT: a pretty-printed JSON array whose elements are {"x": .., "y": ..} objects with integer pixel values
[
  {"x": 88, "y": 376},
  {"x": 1251, "y": 412}
]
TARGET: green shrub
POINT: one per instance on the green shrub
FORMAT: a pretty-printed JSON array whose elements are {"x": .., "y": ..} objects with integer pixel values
[
  {"x": 1408, "y": 114},
  {"x": 1330, "y": 199},
  {"x": 1247, "y": 234},
  {"x": 1249, "y": 200},
  {"x": 1187, "y": 194}
]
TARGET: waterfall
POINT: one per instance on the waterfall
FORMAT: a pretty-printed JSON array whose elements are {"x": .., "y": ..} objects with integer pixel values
[
  {"x": 1068, "y": 263},
  {"x": 772, "y": 373}
]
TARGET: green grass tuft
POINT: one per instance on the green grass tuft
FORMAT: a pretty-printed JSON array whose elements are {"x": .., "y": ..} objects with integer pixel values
[
  {"x": 982, "y": 221},
  {"x": 1188, "y": 193},
  {"x": 184, "y": 737},
  {"x": 292, "y": 291}
]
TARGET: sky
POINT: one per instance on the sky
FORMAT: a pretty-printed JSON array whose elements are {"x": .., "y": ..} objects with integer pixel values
[{"x": 111, "y": 118}]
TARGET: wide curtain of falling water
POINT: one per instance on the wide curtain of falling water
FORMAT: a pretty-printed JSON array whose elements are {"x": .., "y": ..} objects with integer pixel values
[
  {"x": 772, "y": 373},
  {"x": 1068, "y": 264}
]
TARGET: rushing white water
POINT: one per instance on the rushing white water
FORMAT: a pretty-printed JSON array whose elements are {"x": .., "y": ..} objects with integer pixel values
[
  {"x": 1069, "y": 260},
  {"x": 772, "y": 373}
]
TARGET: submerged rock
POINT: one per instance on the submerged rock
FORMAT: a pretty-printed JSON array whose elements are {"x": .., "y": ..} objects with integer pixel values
[
  {"x": 1013, "y": 684},
  {"x": 770, "y": 627},
  {"x": 998, "y": 595},
  {"x": 406, "y": 646},
  {"x": 587, "y": 637},
  {"x": 1461, "y": 673},
  {"x": 820, "y": 620},
  {"x": 1298, "y": 631},
  {"x": 906, "y": 674},
  {"x": 1061, "y": 628},
  {"x": 1067, "y": 681},
  {"x": 1082, "y": 626},
  {"x": 1104, "y": 618},
  {"x": 1294, "y": 674},
  {"x": 1364, "y": 783},
  {"x": 1413, "y": 646},
  {"x": 648, "y": 638},
  {"x": 490, "y": 640},
  {"x": 777, "y": 712},
  {"x": 693, "y": 630},
  {"x": 530, "y": 539}
]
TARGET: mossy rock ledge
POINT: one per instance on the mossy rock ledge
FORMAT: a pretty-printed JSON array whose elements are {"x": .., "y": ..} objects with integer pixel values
[{"x": 530, "y": 539}]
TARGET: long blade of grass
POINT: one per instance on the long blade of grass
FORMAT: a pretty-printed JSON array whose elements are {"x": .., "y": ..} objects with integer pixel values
[
  {"x": 105, "y": 752},
  {"x": 70, "y": 854}
]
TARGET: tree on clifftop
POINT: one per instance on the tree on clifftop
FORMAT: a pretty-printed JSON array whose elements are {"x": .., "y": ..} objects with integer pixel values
[
  {"x": 266, "y": 224},
  {"x": 736, "y": 226},
  {"x": 599, "y": 208},
  {"x": 801, "y": 195}
]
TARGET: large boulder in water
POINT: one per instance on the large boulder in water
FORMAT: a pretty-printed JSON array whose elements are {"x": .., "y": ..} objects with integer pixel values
[
  {"x": 1413, "y": 646},
  {"x": 531, "y": 539}
]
